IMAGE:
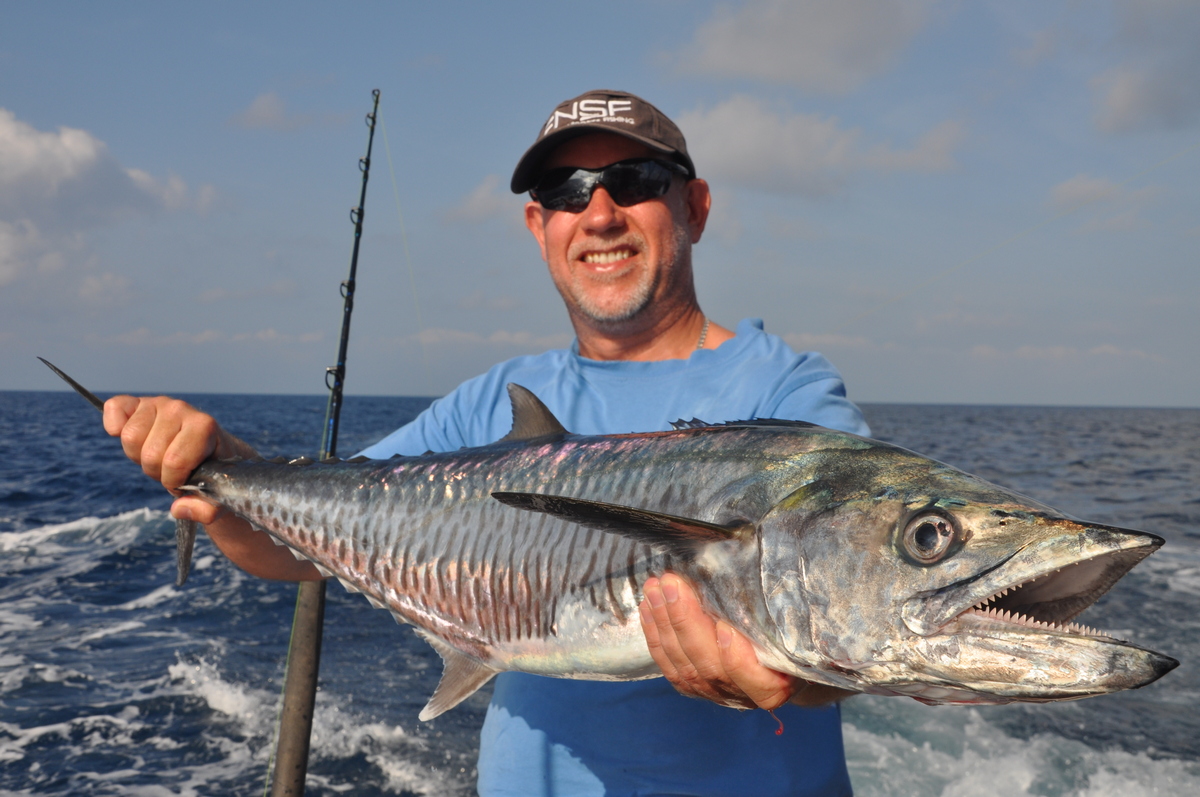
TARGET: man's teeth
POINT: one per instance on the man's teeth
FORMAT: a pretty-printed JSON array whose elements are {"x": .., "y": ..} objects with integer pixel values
[{"x": 607, "y": 257}]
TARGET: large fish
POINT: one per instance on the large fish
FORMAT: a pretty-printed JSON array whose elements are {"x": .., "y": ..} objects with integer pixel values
[{"x": 846, "y": 561}]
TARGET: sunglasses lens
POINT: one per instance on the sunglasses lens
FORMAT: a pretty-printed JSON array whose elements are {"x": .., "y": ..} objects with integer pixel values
[
  {"x": 567, "y": 189},
  {"x": 627, "y": 182},
  {"x": 630, "y": 184}
]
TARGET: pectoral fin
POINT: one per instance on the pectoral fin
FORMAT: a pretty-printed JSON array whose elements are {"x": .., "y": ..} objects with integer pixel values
[
  {"x": 461, "y": 677},
  {"x": 674, "y": 534}
]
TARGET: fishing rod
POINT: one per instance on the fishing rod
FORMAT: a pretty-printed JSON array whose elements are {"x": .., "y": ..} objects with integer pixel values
[{"x": 304, "y": 650}]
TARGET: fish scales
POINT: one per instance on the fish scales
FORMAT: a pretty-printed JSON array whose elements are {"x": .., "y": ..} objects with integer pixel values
[{"x": 439, "y": 547}]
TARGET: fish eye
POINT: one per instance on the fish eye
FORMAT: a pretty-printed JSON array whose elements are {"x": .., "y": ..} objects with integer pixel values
[{"x": 928, "y": 537}]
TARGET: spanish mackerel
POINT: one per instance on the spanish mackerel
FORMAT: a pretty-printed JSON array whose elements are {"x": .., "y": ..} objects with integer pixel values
[{"x": 844, "y": 560}]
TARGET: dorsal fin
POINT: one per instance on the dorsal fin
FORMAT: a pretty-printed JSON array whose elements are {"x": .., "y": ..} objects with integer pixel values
[{"x": 530, "y": 416}]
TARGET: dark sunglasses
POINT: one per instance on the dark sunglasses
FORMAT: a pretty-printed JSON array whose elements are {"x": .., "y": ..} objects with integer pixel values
[{"x": 628, "y": 182}]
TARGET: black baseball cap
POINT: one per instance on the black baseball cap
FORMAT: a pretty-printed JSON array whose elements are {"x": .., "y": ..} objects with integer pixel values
[{"x": 611, "y": 111}]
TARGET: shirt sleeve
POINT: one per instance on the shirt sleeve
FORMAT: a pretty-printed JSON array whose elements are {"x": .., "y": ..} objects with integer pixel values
[{"x": 823, "y": 402}]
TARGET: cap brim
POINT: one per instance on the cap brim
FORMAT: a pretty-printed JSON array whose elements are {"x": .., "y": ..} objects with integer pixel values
[{"x": 526, "y": 174}]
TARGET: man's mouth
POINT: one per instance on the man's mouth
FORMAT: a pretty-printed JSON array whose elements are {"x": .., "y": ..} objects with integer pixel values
[{"x": 604, "y": 258}]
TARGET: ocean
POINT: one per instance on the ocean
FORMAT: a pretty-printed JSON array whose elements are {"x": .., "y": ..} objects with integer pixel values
[{"x": 115, "y": 682}]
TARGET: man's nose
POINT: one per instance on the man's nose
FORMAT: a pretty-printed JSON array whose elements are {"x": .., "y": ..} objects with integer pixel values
[{"x": 602, "y": 213}]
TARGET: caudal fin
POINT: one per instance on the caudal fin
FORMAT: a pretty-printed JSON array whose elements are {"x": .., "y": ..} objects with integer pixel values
[{"x": 185, "y": 530}]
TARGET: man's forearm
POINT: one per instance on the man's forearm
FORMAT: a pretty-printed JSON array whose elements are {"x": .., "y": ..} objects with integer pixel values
[{"x": 255, "y": 552}]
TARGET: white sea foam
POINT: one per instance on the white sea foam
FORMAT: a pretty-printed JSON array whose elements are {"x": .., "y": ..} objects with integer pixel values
[
  {"x": 337, "y": 734},
  {"x": 111, "y": 630},
  {"x": 920, "y": 751},
  {"x": 163, "y": 593},
  {"x": 121, "y": 529}
]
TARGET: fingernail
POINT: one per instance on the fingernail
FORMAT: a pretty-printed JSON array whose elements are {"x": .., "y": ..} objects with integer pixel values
[
  {"x": 655, "y": 596},
  {"x": 724, "y": 635},
  {"x": 183, "y": 513},
  {"x": 670, "y": 590}
]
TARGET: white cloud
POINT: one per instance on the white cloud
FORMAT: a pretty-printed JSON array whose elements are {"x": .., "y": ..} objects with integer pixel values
[
  {"x": 829, "y": 46},
  {"x": 724, "y": 219},
  {"x": 105, "y": 289},
  {"x": 279, "y": 289},
  {"x": 268, "y": 112},
  {"x": 805, "y": 341},
  {"x": 19, "y": 240},
  {"x": 56, "y": 186},
  {"x": 488, "y": 200},
  {"x": 497, "y": 344},
  {"x": 1063, "y": 353},
  {"x": 1081, "y": 190},
  {"x": 1157, "y": 84},
  {"x": 1041, "y": 47},
  {"x": 745, "y": 142},
  {"x": 434, "y": 336},
  {"x": 143, "y": 336}
]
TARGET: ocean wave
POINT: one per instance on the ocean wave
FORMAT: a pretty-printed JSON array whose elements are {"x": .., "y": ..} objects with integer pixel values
[{"x": 898, "y": 747}]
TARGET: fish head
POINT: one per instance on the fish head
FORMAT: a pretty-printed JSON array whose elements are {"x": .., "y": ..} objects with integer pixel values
[{"x": 891, "y": 573}]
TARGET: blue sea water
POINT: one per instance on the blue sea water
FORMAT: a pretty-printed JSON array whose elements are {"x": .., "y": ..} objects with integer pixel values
[{"x": 114, "y": 681}]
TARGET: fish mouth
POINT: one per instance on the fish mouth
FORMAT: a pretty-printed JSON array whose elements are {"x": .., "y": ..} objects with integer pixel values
[{"x": 1042, "y": 587}]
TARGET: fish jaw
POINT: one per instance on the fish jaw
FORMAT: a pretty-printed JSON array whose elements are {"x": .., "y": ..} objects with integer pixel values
[{"x": 980, "y": 660}]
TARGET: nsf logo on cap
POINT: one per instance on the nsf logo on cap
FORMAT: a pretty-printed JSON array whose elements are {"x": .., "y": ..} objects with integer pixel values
[
  {"x": 616, "y": 112},
  {"x": 591, "y": 110}
]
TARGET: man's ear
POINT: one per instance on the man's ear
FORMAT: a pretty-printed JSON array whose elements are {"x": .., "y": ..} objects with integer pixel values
[
  {"x": 699, "y": 202},
  {"x": 535, "y": 220}
]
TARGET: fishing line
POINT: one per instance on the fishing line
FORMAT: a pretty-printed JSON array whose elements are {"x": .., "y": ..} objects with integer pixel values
[
  {"x": 412, "y": 277},
  {"x": 1008, "y": 241}
]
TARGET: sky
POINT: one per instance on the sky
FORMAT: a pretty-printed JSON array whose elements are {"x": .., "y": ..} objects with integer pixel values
[{"x": 990, "y": 202}]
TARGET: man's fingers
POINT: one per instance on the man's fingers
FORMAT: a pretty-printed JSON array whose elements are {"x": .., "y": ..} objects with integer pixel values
[
  {"x": 194, "y": 441},
  {"x": 768, "y": 688},
  {"x": 682, "y": 641},
  {"x": 694, "y": 650},
  {"x": 197, "y": 509},
  {"x": 156, "y": 423},
  {"x": 116, "y": 413},
  {"x": 169, "y": 438}
]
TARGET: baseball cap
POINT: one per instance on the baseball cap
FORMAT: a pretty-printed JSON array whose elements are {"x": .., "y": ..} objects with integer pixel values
[{"x": 616, "y": 112}]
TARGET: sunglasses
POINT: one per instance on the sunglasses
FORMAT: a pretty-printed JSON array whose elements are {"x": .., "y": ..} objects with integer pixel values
[{"x": 628, "y": 182}]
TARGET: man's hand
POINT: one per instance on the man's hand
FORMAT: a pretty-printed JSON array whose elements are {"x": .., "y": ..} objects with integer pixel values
[
  {"x": 708, "y": 659},
  {"x": 169, "y": 438}
]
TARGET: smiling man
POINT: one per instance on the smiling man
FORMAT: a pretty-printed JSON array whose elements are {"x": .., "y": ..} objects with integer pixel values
[{"x": 615, "y": 207}]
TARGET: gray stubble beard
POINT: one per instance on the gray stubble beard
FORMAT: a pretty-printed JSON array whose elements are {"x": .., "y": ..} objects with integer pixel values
[{"x": 639, "y": 299}]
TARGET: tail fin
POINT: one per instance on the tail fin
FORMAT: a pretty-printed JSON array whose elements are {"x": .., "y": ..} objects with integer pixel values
[{"x": 185, "y": 530}]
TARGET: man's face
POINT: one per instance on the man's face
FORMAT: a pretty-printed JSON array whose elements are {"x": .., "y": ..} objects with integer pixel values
[{"x": 610, "y": 262}]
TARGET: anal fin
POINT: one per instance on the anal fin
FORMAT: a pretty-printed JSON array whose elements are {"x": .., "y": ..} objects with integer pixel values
[{"x": 461, "y": 677}]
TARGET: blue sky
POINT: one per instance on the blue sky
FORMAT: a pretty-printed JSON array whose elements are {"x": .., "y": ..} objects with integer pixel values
[{"x": 985, "y": 202}]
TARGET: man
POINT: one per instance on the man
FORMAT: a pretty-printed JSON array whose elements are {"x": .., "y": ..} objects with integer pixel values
[{"x": 616, "y": 207}]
